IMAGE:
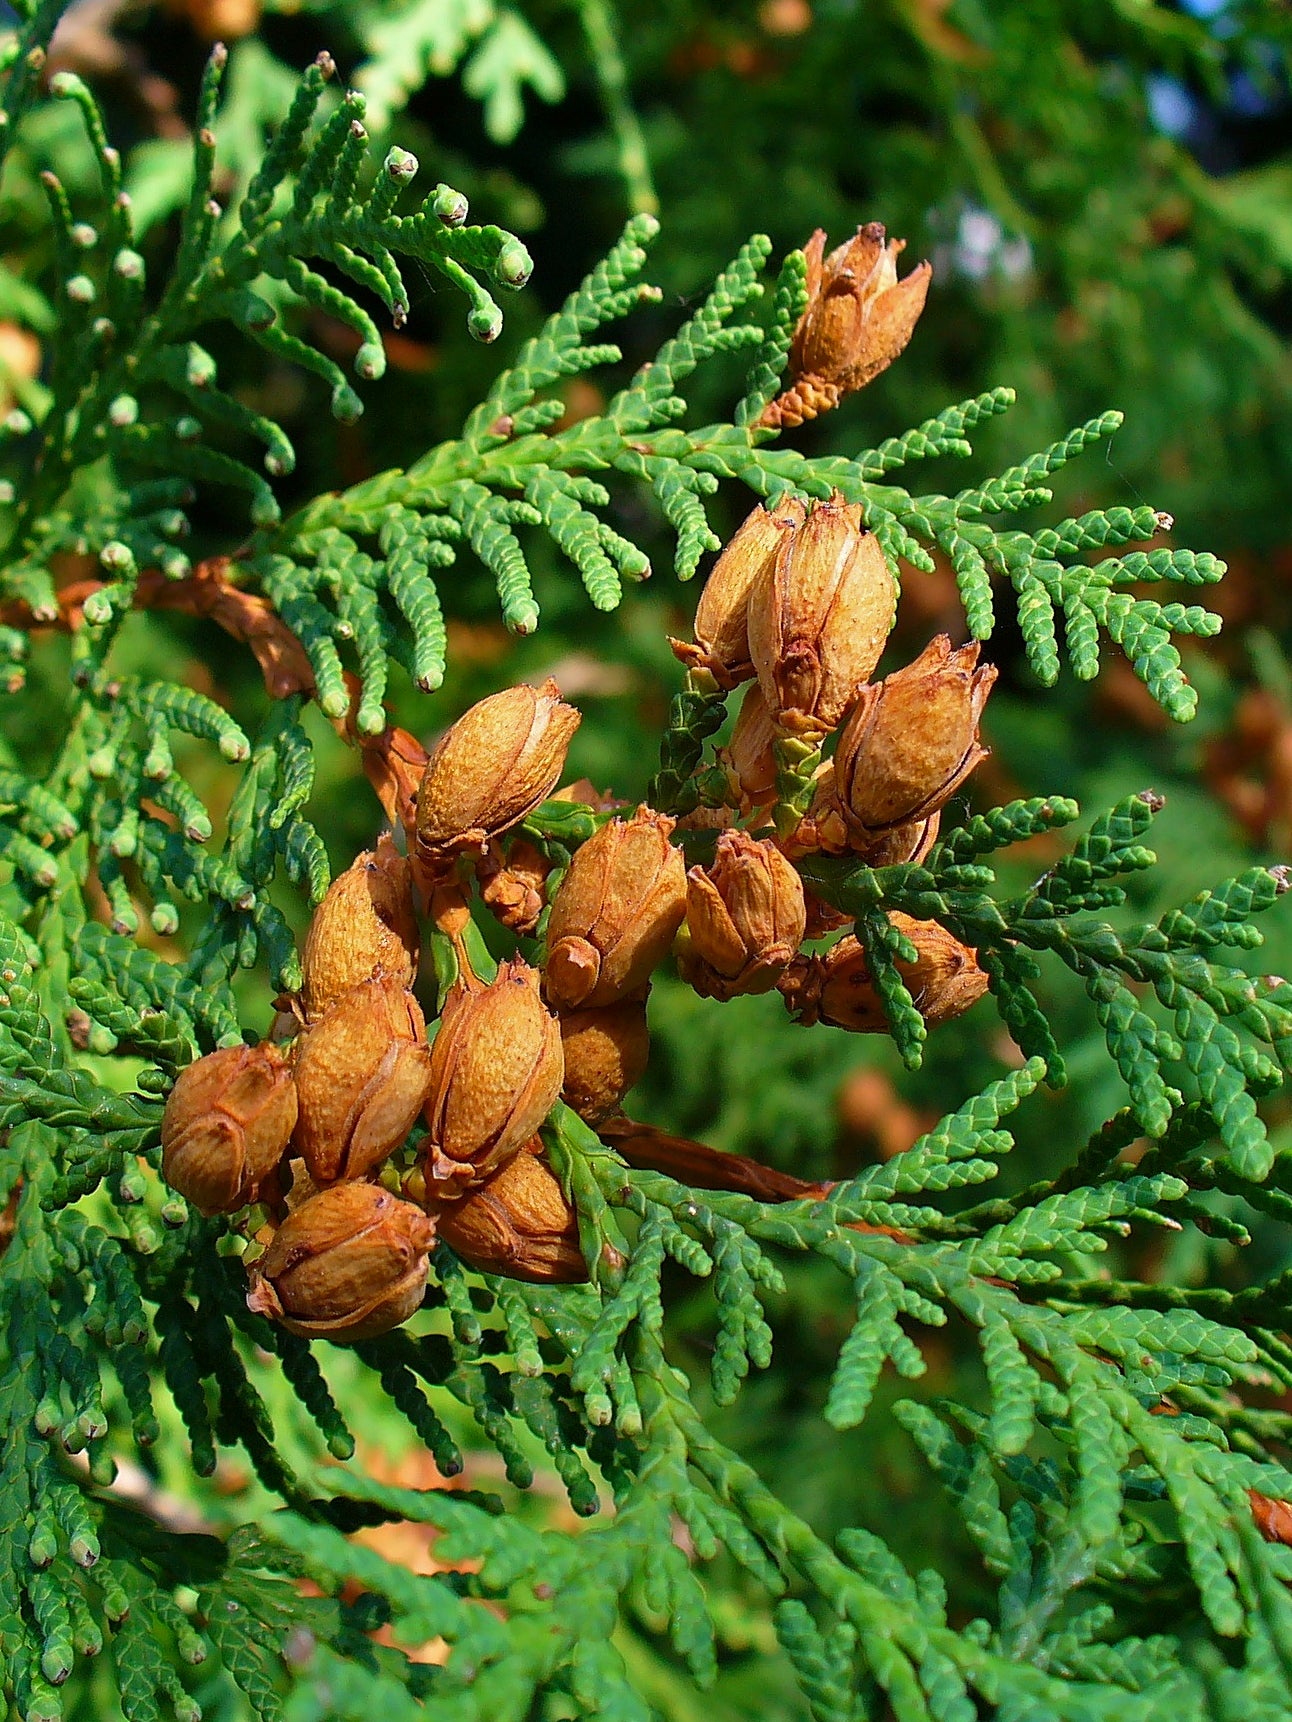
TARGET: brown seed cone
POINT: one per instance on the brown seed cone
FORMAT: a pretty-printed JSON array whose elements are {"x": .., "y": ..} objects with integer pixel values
[
  {"x": 362, "y": 1072},
  {"x": 518, "y": 1223},
  {"x": 226, "y": 1126},
  {"x": 748, "y": 757},
  {"x": 722, "y": 615},
  {"x": 836, "y": 988},
  {"x": 364, "y": 926},
  {"x": 606, "y": 1052},
  {"x": 345, "y": 1265},
  {"x": 745, "y": 918},
  {"x": 818, "y": 619},
  {"x": 911, "y": 740},
  {"x": 825, "y": 830},
  {"x": 490, "y": 769},
  {"x": 857, "y": 320},
  {"x": 496, "y": 1071},
  {"x": 514, "y": 889},
  {"x": 616, "y": 912}
]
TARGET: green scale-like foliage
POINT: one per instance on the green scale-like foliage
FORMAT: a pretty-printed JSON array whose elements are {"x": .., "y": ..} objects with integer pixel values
[{"x": 1110, "y": 1438}]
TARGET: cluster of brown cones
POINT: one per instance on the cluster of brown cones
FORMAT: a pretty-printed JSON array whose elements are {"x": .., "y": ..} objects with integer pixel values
[{"x": 313, "y": 1125}]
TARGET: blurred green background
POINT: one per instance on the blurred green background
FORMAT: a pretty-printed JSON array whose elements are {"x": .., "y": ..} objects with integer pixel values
[{"x": 1105, "y": 190}]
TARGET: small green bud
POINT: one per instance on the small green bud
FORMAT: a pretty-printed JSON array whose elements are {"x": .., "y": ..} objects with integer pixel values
[
  {"x": 123, "y": 411},
  {"x": 251, "y": 310},
  {"x": 485, "y": 323},
  {"x": 513, "y": 265},
  {"x": 66, "y": 84},
  {"x": 164, "y": 919},
  {"x": 187, "y": 428},
  {"x": 346, "y": 405},
  {"x": 80, "y": 290},
  {"x": 7, "y": 491},
  {"x": 97, "y": 609},
  {"x": 401, "y": 164},
  {"x": 234, "y": 748},
  {"x": 370, "y": 361},
  {"x": 117, "y": 557},
  {"x": 16, "y": 423},
  {"x": 200, "y": 367},
  {"x": 175, "y": 565},
  {"x": 84, "y": 235},
  {"x": 129, "y": 265},
  {"x": 451, "y": 206}
]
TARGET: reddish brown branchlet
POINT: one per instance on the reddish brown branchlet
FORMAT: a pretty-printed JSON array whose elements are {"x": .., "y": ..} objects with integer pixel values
[
  {"x": 348, "y": 1264},
  {"x": 616, "y": 913},
  {"x": 857, "y": 320},
  {"x": 226, "y": 1126}
]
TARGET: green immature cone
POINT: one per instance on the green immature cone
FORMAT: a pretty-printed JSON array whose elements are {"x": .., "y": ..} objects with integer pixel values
[{"x": 818, "y": 619}]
